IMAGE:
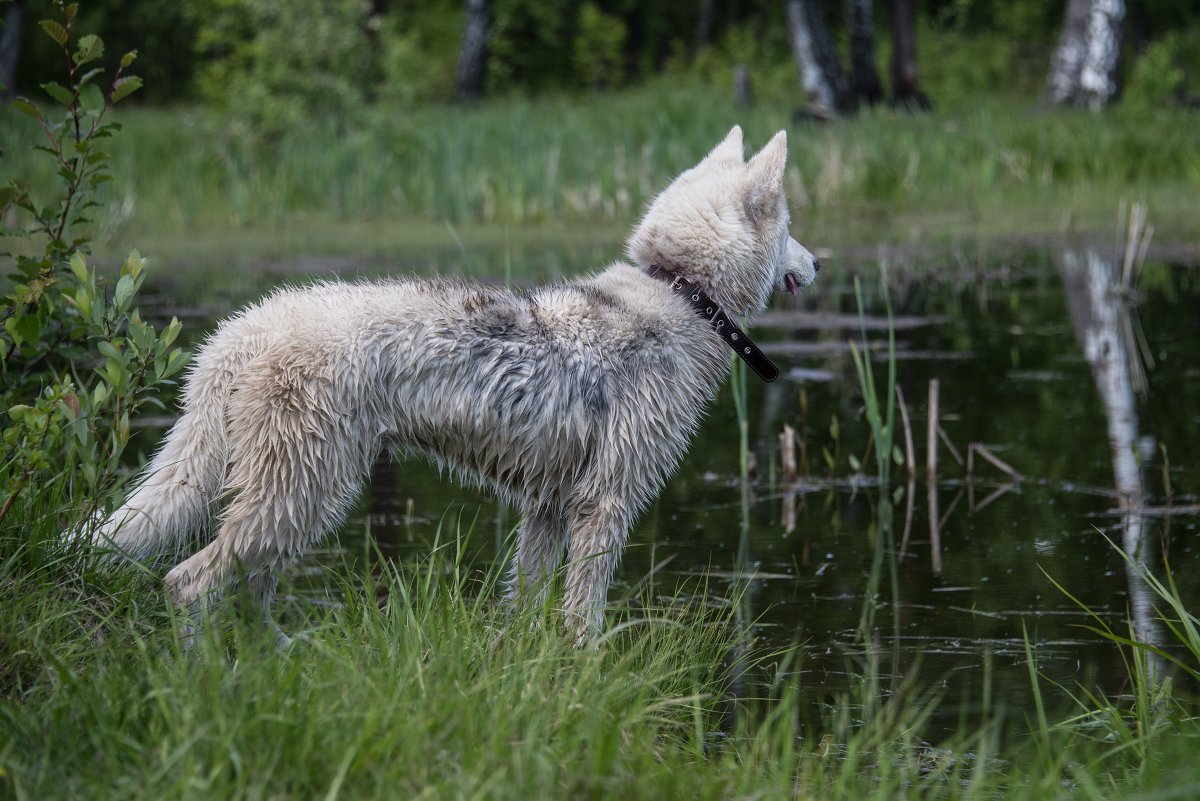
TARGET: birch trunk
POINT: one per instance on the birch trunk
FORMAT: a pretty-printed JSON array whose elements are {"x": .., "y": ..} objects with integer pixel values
[
  {"x": 472, "y": 57},
  {"x": 1083, "y": 71},
  {"x": 821, "y": 75},
  {"x": 1100, "y": 318}
]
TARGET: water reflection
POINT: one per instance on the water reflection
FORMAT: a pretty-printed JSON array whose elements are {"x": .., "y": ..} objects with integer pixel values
[{"x": 1101, "y": 301}]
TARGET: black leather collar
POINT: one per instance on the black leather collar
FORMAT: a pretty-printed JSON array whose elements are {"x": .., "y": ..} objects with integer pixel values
[{"x": 721, "y": 322}]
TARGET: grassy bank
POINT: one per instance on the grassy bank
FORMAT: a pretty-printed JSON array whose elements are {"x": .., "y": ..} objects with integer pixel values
[
  {"x": 419, "y": 685},
  {"x": 997, "y": 166}
]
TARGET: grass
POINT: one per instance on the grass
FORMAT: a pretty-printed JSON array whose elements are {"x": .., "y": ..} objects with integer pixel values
[
  {"x": 880, "y": 413},
  {"x": 393, "y": 178},
  {"x": 418, "y": 684}
]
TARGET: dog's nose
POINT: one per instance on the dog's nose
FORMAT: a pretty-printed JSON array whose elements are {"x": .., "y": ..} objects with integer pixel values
[{"x": 816, "y": 265}]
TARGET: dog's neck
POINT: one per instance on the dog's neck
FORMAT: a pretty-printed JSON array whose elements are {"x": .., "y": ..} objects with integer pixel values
[{"x": 721, "y": 322}]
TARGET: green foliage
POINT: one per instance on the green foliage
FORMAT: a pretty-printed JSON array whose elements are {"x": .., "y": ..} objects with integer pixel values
[
  {"x": 75, "y": 363},
  {"x": 531, "y": 44},
  {"x": 162, "y": 32},
  {"x": 758, "y": 45},
  {"x": 1151, "y": 711},
  {"x": 1157, "y": 78},
  {"x": 274, "y": 62},
  {"x": 599, "y": 48},
  {"x": 957, "y": 68},
  {"x": 418, "y": 53}
]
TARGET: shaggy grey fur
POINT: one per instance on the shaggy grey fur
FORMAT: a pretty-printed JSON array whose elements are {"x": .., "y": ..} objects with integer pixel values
[{"x": 574, "y": 401}]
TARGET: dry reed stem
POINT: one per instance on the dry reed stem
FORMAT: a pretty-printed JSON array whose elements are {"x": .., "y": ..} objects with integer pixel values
[
  {"x": 911, "y": 460},
  {"x": 949, "y": 445},
  {"x": 909, "y": 452},
  {"x": 787, "y": 454},
  {"x": 931, "y": 458},
  {"x": 1000, "y": 464}
]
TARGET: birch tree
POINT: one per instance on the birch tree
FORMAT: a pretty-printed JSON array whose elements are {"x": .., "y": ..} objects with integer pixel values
[
  {"x": 1083, "y": 71},
  {"x": 472, "y": 56},
  {"x": 825, "y": 85}
]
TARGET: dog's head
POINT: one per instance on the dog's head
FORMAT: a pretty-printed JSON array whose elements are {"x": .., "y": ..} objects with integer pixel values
[{"x": 724, "y": 225}]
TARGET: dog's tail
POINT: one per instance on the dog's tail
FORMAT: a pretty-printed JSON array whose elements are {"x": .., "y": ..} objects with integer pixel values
[{"x": 173, "y": 496}]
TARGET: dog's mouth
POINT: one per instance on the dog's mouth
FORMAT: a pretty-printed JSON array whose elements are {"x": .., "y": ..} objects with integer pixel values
[{"x": 791, "y": 283}]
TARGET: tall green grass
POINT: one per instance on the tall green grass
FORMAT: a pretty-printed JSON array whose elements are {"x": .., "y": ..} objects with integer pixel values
[
  {"x": 994, "y": 165},
  {"x": 416, "y": 683},
  {"x": 880, "y": 412}
]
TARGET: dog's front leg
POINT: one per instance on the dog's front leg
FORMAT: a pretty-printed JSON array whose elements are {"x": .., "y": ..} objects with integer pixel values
[
  {"x": 599, "y": 529},
  {"x": 541, "y": 541}
]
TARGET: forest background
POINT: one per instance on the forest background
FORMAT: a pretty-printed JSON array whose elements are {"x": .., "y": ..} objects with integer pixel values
[{"x": 277, "y": 60}]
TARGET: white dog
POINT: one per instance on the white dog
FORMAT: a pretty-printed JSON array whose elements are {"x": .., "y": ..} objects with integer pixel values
[{"x": 574, "y": 401}]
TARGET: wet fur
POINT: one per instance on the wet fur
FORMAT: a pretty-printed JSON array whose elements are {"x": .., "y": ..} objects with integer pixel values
[{"x": 573, "y": 401}]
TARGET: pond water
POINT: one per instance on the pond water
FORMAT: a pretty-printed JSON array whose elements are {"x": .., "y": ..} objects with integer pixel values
[{"x": 1015, "y": 339}]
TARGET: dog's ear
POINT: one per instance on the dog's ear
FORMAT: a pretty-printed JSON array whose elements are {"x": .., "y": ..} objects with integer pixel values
[
  {"x": 764, "y": 176},
  {"x": 730, "y": 148}
]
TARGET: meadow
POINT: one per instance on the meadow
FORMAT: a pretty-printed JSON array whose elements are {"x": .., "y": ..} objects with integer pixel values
[{"x": 577, "y": 167}]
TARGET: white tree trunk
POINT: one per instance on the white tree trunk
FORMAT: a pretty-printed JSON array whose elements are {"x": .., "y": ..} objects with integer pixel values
[
  {"x": 1100, "y": 319},
  {"x": 825, "y": 85},
  {"x": 1084, "y": 70},
  {"x": 472, "y": 56}
]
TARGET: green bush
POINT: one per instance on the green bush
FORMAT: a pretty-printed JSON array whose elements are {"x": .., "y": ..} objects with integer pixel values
[
  {"x": 599, "y": 48},
  {"x": 958, "y": 69},
  {"x": 76, "y": 362},
  {"x": 1156, "y": 78},
  {"x": 418, "y": 54},
  {"x": 273, "y": 62},
  {"x": 163, "y": 33},
  {"x": 761, "y": 49}
]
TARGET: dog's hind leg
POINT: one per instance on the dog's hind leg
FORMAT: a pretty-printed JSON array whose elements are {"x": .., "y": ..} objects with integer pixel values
[
  {"x": 599, "y": 527},
  {"x": 541, "y": 541},
  {"x": 297, "y": 458}
]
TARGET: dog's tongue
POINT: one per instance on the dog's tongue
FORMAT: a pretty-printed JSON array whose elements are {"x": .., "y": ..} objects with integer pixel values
[{"x": 790, "y": 280}]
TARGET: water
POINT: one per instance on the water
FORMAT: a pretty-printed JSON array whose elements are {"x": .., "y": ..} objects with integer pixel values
[{"x": 1005, "y": 339}]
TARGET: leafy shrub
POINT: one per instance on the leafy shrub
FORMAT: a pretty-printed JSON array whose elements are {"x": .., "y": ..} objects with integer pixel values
[
  {"x": 1157, "y": 77},
  {"x": 75, "y": 363},
  {"x": 418, "y": 53},
  {"x": 599, "y": 48},
  {"x": 758, "y": 46},
  {"x": 163, "y": 33},
  {"x": 530, "y": 45},
  {"x": 958, "y": 68},
  {"x": 276, "y": 61}
]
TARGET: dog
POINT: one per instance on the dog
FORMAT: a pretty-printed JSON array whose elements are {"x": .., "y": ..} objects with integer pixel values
[{"x": 574, "y": 402}]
